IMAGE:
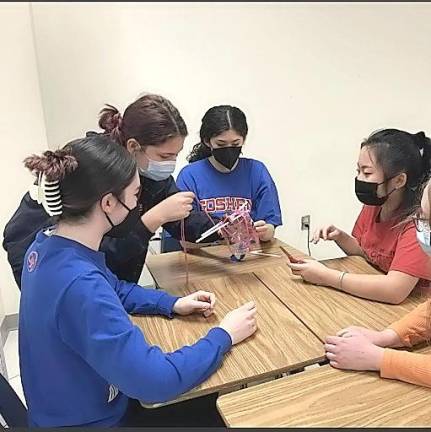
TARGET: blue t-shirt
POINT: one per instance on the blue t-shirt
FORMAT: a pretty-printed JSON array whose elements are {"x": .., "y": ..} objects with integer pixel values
[
  {"x": 80, "y": 355},
  {"x": 218, "y": 192}
]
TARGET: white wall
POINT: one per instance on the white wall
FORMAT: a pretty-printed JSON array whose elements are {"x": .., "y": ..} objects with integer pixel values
[
  {"x": 313, "y": 79},
  {"x": 22, "y": 128}
]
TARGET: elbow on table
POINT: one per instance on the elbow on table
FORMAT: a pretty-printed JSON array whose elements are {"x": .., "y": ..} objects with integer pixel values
[
  {"x": 156, "y": 386},
  {"x": 396, "y": 297}
]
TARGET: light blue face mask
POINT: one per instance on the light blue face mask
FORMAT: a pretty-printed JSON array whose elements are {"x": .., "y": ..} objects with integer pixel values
[
  {"x": 423, "y": 238},
  {"x": 158, "y": 171}
]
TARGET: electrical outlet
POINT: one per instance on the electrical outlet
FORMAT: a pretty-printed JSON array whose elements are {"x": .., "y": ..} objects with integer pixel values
[{"x": 305, "y": 222}]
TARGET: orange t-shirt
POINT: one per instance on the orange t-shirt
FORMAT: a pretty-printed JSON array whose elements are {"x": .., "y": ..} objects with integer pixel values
[{"x": 389, "y": 247}]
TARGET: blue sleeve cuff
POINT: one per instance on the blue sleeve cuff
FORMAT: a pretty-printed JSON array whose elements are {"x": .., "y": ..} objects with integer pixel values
[
  {"x": 166, "y": 305},
  {"x": 220, "y": 337}
]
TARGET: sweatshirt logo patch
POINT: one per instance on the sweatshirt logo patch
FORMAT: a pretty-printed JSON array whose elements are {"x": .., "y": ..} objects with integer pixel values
[
  {"x": 113, "y": 393},
  {"x": 32, "y": 261}
]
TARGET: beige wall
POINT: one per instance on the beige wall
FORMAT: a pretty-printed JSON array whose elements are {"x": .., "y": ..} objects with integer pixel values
[
  {"x": 22, "y": 128},
  {"x": 313, "y": 79}
]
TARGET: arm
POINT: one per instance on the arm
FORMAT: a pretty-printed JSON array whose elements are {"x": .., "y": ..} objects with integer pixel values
[
  {"x": 102, "y": 334},
  {"x": 197, "y": 222},
  {"x": 349, "y": 245},
  {"x": 413, "y": 328},
  {"x": 144, "y": 301},
  {"x": 266, "y": 206},
  {"x": 391, "y": 288},
  {"x": 172, "y": 209},
  {"x": 405, "y": 366},
  {"x": 409, "y": 264}
]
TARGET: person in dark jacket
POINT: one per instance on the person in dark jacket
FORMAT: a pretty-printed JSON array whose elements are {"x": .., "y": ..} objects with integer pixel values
[{"x": 153, "y": 131}]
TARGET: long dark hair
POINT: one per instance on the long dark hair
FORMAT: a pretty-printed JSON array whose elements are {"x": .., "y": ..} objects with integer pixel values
[
  {"x": 397, "y": 152},
  {"x": 217, "y": 120},
  {"x": 150, "y": 120},
  {"x": 87, "y": 169}
]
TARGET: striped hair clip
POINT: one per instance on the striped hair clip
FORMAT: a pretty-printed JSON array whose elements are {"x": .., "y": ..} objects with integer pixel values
[{"x": 48, "y": 194}]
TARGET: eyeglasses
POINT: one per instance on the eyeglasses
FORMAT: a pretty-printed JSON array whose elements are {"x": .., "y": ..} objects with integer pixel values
[{"x": 422, "y": 223}]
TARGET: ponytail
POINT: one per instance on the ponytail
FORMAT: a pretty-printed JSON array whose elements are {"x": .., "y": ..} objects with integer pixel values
[
  {"x": 424, "y": 145},
  {"x": 200, "y": 151}
]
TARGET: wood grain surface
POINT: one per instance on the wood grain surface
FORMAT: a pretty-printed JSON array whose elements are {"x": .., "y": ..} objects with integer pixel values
[
  {"x": 326, "y": 310},
  {"x": 169, "y": 271},
  {"x": 327, "y": 397},
  {"x": 281, "y": 343}
]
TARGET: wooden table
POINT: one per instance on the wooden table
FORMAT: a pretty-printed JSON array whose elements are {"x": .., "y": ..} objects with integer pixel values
[
  {"x": 292, "y": 314},
  {"x": 326, "y": 310},
  {"x": 281, "y": 343},
  {"x": 169, "y": 271},
  {"x": 327, "y": 397}
]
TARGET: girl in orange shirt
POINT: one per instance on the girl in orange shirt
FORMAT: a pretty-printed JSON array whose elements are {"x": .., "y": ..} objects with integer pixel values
[
  {"x": 358, "y": 348},
  {"x": 392, "y": 166}
]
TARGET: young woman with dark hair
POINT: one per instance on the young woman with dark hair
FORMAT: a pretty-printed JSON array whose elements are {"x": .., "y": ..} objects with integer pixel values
[
  {"x": 392, "y": 168},
  {"x": 222, "y": 181},
  {"x": 81, "y": 358},
  {"x": 358, "y": 348},
  {"x": 153, "y": 131}
]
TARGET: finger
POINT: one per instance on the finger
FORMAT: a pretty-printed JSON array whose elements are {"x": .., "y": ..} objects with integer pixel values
[
  {"x": 187, "y": 194},
  {"x": 296, "y": 266},
  {"x": 252, "y": 322},
  {"x": 333, "y": 340},
  {"x": 331, "y": 356},
  {"x": 332, "y": 235},
  {"x": 325, "y": 233},
  {"x": 259, "y": 223},
  {"x": 200, "y": 305},
  {"x": 334, "y": 364},
  {"x": 342, "y": 331},
  {"x": 208, "y": 313},
  {"x": 329, "y": 347},
  {"x": 345, "y": 334},
  {"x": 212, "y": 300},
  {"x": 203, "y": 295},
  {"x": 249, "y": 306},
  {"x": 251, "y": 314},
  {"x": 317, "y": 235},
  {"x": 262, "y": 229}
]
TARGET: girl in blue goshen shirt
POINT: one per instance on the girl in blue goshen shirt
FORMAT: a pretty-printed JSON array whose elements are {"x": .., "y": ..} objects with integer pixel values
[
  {"x": 81, "y": 357},
  {"x": 221, "y": 180}
]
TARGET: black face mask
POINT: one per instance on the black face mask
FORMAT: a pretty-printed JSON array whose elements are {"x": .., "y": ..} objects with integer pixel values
[
  {"x": 123, "y": 228},
  {"x": 366, "y": 192},
  {"x": 226, "y": 156}
]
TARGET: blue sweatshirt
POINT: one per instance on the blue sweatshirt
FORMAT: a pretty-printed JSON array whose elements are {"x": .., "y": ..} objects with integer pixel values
[
  {"x": 81, "y": 357},
  {"x": 218, "y": 192}
]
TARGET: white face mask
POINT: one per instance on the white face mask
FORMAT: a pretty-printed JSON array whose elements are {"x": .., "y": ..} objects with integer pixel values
[
  {"x": 423, "y": 238},
  {"x": 158, "y": 171}
]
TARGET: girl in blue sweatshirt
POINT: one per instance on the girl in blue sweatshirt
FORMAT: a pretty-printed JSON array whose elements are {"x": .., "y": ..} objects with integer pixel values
[
  {"x": 222, "y": 181},
  {"x": 81, "y": 357}
]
